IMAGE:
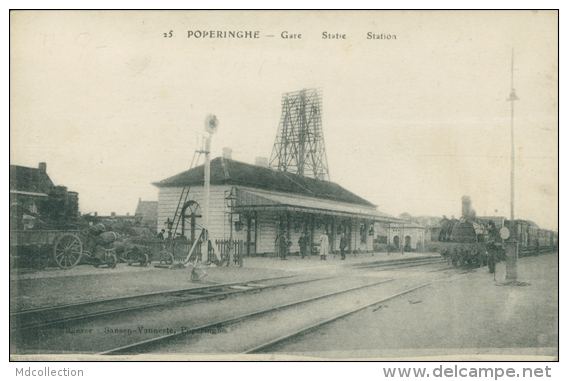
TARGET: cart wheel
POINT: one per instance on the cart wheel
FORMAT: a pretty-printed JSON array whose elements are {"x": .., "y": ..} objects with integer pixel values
[
  {"x": 111, "y": 260},
  {"x": 144, "y": 260},
  {"x": 125, "y": 257},
  {"x": 166, "y": 258},
  {"x": 67, "y": 251}
]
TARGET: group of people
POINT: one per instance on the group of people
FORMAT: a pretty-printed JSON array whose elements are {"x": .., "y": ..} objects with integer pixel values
[{"x": 283, "y": 244}]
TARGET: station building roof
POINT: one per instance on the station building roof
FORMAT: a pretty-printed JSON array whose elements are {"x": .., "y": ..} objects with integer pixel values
[
  {"x": 228, "y": 171},
  {"x": 260, "y": 200}
]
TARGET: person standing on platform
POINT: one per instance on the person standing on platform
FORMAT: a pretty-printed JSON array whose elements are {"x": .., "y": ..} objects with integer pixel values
[
  {"x": 343, "y": 245},
  {"x": 324, "y": 246},
  {"x": 303, "y": 242},
  {"x": 282, "y": 244},
  {"x": 491, "y": 247}
]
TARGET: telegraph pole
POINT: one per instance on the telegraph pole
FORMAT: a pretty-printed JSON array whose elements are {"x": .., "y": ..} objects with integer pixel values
[{"x": 511, "y": 244}]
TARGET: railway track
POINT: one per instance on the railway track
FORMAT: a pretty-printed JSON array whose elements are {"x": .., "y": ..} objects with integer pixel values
[
  {"x": 45, "y": 317},
  {"x": 117, "y": 331},
  {"x": 399, "y": 263},
  {"x": 274, "y": 343},
  {"x": 254, "y": 332},
  {"x": 143, "y": 346},
  {"x": 40, "y": 328}
]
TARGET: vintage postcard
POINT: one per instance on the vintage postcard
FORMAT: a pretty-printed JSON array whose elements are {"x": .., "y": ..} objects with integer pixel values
[{"x": 283, "y": 185}]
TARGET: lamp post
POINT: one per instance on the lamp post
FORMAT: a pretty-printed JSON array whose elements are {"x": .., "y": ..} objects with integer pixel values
[
  {"x": 207, "y": 183},
  {"x": 231, "y": 200},
  {"x": 511, "y": 244}
]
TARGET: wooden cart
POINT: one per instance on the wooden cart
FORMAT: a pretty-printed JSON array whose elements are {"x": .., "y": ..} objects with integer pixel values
[{"x": 66, "y": 248}]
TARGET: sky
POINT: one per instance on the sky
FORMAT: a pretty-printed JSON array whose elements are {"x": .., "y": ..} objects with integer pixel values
[{"x": 411, "y": 124}]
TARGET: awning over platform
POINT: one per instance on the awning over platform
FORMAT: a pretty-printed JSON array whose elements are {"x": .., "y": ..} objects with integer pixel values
[{"x": 254, "y": 200}]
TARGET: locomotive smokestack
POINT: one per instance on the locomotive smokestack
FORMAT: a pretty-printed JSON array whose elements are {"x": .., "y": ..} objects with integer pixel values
[{"x": 466, "y": 207}]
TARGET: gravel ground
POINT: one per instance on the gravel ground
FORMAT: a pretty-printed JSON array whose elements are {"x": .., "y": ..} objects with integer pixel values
[
  {"x": 466, "y": 316},
  {"x": 53, "y": 286},
  {"x": 114, "y": 331},
  {"x": 122, "y": 281},
  {"x": 248, "y": 334}
]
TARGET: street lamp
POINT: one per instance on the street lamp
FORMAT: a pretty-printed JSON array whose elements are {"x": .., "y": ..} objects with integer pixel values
[
  {"x": 231, "y": 201},
  {"x": 511, "y": 244}
]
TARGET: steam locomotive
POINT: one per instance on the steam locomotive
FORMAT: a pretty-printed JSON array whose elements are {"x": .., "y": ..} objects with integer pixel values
[{"x": 464, "y": 240}]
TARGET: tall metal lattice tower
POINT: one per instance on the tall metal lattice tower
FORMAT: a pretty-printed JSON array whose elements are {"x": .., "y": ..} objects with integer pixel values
[{"x": 299, "y": 146}]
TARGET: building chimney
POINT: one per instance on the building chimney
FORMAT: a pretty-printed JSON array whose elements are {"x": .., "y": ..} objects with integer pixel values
[
  {"x": 227, "y": 153},
  {"x": 261, "y": 161},
  {"x": 42, "y": 167}
]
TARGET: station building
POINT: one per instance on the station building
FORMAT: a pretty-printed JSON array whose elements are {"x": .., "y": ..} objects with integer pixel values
[
  {"x": 263, "y": 204},
  {"x": 406, "y": 233}
]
